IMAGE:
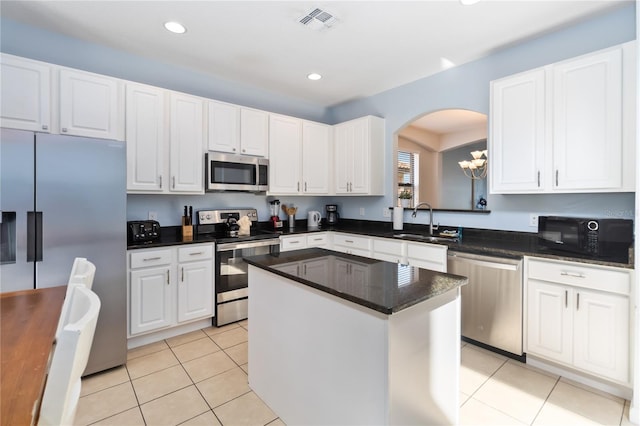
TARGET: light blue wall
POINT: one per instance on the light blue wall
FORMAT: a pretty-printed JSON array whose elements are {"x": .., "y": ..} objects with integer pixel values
[{"x": 467, "y": 87}]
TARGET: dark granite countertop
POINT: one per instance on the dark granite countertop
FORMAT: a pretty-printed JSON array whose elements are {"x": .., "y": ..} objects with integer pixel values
[
  {"x": 386, "y": 287},
  {"x": 480, "y": 241}
]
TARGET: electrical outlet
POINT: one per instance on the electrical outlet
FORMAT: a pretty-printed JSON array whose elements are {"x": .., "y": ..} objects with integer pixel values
[
  {"x": 386, "y": 212},
  {"x": 533, "y": 219},
  {"x": 361, "y": 211},
  {"x": 153, "y": 215}
]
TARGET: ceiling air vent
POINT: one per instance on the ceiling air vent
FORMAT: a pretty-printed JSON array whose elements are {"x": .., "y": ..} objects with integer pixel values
[{"x": 318, "y": 19}]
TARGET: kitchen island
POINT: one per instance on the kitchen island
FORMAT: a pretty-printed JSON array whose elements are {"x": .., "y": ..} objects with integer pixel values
[{"x": 337, "y": 339}]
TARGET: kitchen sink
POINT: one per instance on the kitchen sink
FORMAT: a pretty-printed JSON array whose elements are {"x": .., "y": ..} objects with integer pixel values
[{"x": 428, "y": 238}]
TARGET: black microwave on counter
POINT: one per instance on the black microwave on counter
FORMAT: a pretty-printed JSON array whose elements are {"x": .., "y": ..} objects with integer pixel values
[{"x": 599, "y": 238}]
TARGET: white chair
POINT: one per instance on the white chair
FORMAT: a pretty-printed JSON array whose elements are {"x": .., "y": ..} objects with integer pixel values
[
  {"x": 82, "y": 273},
  {"x": 70, "y": 356}
]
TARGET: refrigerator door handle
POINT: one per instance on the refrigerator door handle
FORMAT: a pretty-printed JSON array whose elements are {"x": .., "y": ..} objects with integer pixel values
[{"x": 34, "y": 236}]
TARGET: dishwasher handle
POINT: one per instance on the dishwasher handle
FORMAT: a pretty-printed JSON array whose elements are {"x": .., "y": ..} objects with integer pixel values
[{"x": 495, "y": 264}]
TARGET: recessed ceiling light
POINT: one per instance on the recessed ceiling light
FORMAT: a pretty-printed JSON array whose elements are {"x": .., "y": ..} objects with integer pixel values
[
  {"x": 314, "y": 76},
  {"x": 175, "y": 27}
]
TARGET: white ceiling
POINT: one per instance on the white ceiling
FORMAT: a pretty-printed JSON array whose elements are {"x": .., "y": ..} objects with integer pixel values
[{"x": 373, "y": 46}]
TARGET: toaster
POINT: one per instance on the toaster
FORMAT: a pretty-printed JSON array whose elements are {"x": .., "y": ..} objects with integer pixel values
[{"x": 143, "y": 231}]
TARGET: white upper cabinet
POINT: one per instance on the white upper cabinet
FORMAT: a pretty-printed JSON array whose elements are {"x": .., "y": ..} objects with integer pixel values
[
  {"x": 518, "y": 126},
  {"x": 254, "y": 132},
  {"x": 145, "y": 136},
  {"x": 186, "y": 139},
  {"x": 25, "y": 94},
  {"x": 316, "y": 157},
  {"x": 237, "y": 130},
  {"x": 299, "y": 153},
  {"x": 587, "y": 122},
  {"x": 285, "y": 150},
  {"x": 359, "y": 156},
  {"x": 566, "y": 127},
  {"x": 89, "y": 105}
]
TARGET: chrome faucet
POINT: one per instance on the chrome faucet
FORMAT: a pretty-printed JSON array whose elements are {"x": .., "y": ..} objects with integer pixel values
[{"x": 415, "y": 212}]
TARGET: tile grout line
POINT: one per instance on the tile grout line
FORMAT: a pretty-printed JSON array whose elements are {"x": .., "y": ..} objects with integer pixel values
[{"x": 546, "y": 399}]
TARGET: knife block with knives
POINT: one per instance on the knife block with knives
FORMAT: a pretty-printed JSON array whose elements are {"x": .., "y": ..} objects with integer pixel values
[{"x": 187, "y": 224}]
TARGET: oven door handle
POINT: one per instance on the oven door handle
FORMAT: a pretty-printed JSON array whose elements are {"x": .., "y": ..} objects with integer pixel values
[{"x": 247, "y": 244}]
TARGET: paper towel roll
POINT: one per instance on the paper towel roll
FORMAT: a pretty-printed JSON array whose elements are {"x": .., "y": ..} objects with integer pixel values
[{"x": 398, "y": 218}]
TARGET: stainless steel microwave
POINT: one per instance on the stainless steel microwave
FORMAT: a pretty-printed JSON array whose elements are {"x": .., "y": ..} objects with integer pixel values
[
  {"x": 230, "y": 172},
  {"x": 600, "y": 238}
]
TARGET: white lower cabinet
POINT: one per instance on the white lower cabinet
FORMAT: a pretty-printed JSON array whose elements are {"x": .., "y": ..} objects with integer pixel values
[
  {"x": 389, "y": 250},
  {"x": 169, "y": 286},
  {"x": 302, "y": 241},
  {"x": 352, "y": 244},
  {"x": 579, "y": 315},
  {"x": 427, "y": 256},
  {"x": 195, "y": 289}
]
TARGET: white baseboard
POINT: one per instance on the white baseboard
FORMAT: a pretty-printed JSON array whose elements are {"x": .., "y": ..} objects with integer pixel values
[
  {"x": 612, "y": 388},
  {"x": 134, "y": 342}
]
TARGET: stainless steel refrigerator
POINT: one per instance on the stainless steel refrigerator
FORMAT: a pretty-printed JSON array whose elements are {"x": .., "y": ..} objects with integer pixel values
[{"x": 64, "y": 197}]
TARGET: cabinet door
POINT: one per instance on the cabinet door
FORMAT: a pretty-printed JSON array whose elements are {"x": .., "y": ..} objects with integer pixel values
[
  {"x": 316, "y": 270},
  {"x": 550, "y": 321},
  {"x": 224, "y": 127},
  {"x": 145, "y": 120},
  {"x": 186, "y": 140},
  {"x": 25, "y": 94},
  {"x": 601, "y": 334},
  {"x": 587, "y": 122},
  {"x": 151, "y": 299},
  {"x": 360, "y": 157},
  {"x": 518, "y": 127},
  {"x": 293, "y": 242},
  {"x": 285, "y": 135},
  {"x": 195, "y": 290},
  {"x": 254, "y": 132},
  {"x": 316, "y": 154},
  {"x": 89, "y": 105},
  {"x": 343, "y": 155}
]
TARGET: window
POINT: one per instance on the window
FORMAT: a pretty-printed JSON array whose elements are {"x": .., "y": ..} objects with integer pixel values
[{"x": 408, "y": 175}]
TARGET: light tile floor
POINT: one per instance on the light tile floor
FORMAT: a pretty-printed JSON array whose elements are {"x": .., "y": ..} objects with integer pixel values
[{"x": 200, "y": 378}]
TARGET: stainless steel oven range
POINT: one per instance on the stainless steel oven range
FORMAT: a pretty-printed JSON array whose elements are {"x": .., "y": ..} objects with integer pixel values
[{"x": 231, "y": 271}]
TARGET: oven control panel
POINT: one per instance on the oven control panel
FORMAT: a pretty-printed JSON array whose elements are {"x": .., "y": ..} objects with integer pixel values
[{"x": 212, "y": 217}]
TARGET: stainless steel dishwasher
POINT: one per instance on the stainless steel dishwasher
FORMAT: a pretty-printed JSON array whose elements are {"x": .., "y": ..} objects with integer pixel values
[{"x": 492, "y": 301}]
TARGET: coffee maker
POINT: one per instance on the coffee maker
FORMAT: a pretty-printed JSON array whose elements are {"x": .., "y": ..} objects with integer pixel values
[{"x": 332, "y": 214}]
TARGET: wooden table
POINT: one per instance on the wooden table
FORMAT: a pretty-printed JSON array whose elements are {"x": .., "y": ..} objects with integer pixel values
[{"x": 28, "y": 321}]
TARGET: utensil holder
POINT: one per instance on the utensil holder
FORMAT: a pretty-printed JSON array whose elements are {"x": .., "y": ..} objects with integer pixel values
[
  {"x": 292, "y": 221},
  {"x": 187, "y": 229}
]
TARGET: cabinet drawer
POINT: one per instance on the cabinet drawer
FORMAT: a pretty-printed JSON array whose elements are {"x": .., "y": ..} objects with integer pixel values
[
  {"x": 395, "y": 248},
  {"x": 191, "y": 253},
  {"x": 317, "y": 240},
  {"x": 580, "y": 275},
  {"x": 146, "y": 258},
  {"x": 352, "y": 241},
  {"x": 430, "y": 252},
  {"x": 293, "y": 243}
]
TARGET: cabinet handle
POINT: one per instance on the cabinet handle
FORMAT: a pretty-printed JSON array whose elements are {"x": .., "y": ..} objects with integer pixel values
[
  {"x": 577, "y": 301},
  {"x": 147, "y": 259},
  {"x": 572, "y": 274},
  {"x": 182, "y": 276},
  {"x": 196, "y": 253},
  {"x": 304, "y": 271},
  {"x": 234, "y": 150},
  {"x": 295, "y": 242},
  {"x": 64, "y": 129},
  {"x": 566, "y": 298},
  {"x": 45, "y": 127},
  {"x": 173, "y": 182},
  {"x": 168, "y": 277},
  {"x": 160, "y": 181},
  {"x": 348, "y": 241},
  {"x": 305, "y": 187},
  {"x": 538, "y": 178},
  {"x": 244, "y": 150},
  {"x": 556, "y": 177},
  {"x": 298, "y": 187}
]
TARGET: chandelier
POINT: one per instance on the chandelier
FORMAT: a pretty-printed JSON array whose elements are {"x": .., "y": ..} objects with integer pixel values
[{"x": 477, "y": 167}]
